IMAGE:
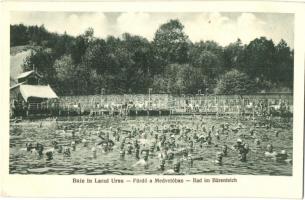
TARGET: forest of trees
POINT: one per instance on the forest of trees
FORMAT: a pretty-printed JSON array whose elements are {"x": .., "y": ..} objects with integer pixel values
[{"x": 170, "y": 63}]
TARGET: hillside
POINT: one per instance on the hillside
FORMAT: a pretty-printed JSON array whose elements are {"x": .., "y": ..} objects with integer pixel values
[{"x": 17, "y": 57}]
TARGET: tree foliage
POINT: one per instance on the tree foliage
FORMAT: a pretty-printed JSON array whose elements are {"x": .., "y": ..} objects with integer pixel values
[
  {"x": 171, "y": 44},
  {"x": 41, "y": 60},
  {"x": 170, "y": 63},
  {"x": 235, "y": 82}
]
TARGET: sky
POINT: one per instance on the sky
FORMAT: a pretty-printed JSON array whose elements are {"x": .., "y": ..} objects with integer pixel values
[{"x": 224, "y": 28}]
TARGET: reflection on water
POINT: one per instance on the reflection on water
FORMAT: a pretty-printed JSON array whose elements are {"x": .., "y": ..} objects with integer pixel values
[{"x": 82, "y": 161}]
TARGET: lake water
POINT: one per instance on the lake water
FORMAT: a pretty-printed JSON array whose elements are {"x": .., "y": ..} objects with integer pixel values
[{"x": 82, "y": 162}]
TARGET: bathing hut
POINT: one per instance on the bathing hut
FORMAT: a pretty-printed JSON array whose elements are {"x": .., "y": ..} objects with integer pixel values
[{"x": 28, "y": 96}]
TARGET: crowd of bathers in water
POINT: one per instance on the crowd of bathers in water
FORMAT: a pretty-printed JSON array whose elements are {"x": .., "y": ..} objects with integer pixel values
[{"x": 170, "y": 142}]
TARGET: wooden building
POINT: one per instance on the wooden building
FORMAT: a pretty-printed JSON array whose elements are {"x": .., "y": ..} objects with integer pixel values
[
  {"x": 28, "y": 96},
  {"x": 29, "y": 77}
]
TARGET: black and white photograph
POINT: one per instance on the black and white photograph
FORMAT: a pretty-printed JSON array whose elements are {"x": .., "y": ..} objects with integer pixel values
[
  {"x": 151, "y": 99},
  {"x": 151, "y": 93}
]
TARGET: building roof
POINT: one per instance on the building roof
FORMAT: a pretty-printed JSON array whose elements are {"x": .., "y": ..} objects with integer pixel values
[
  {"x": 37, "y": 91},
  {"x": 26, "y": 74},
  {"x": 12, "y": 82},
  {"x": 16, "y": 85}
]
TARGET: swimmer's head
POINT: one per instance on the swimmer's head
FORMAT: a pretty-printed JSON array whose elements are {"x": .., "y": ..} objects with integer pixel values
[
  {"x": 277, "y": 133},
  {"x": 177, "y": 167},
  {"x": 185, "y": 152},
  {"x": 269, "y": 148},
  {"x": 145, "y": 157},
  {"x": 219, "y": 154}
]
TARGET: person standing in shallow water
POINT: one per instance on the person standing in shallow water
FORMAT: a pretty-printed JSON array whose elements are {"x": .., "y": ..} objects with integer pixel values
[
  {"x": 241, "y": 149},
  {"x": 143, "y": 162},
  {"x": 243, "y": 153},
  {"x": 277, "y": 133},
  {"x": 270, "y": 152},
  {"x": 122, "y": 154},
  {"x": 225, "y": 150},
  {"x": 73, "y": 145},
  {"x": 39, "y": 148},
  {"x": 162, "y": 164},
  {"x": 175, "y": 170},
  {"x": 219, "y": 156},
  {"x": 49, "y": 155}
]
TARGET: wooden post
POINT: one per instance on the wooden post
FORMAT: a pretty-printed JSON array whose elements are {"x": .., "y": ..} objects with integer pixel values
[
  {"x": 268, "y": 106},
  {"x": 184, "y": 104},
  {"x": 238, "y": 110},
  {"x": 206, "y": 102},
  {"x": 216, "y": 107},
  {"x": 200, "y": 100},
  {"x": 224, "y": 107},
  {"x": 243, "y": 104},
  {"x": 149, "y": 92}
]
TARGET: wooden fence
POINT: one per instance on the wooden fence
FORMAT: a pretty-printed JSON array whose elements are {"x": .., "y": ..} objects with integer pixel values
[
  {"x": 174, "y": 104},
  {"x": 220, "y": 104}
]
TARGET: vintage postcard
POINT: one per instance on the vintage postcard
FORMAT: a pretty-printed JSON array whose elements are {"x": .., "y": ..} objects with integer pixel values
[{"x": 152, "y": 99}]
